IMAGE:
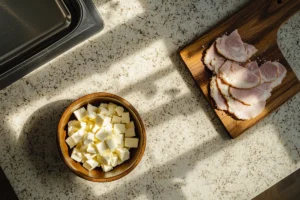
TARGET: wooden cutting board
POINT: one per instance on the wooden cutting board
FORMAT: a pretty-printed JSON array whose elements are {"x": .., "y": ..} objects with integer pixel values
[{"x": 258, "y": 24}]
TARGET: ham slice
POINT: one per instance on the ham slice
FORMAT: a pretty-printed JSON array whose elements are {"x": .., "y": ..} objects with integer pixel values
[
  {"x": 233, "y": 48},
  {"x": 216, "y": 95},
  {"x": 281, "y": 74},
  {"x": 252, "y": 96},
  {"x": 269, "y": 71},
  {"x": 238, "y": 76},
  {"x": 212, "y": 59},
  {"x": 238, "y": 109},
  {"x": 253, "y": 66}
]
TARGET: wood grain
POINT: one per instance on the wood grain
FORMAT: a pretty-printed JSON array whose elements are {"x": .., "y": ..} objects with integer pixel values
[
  {"x": 258, "y": 24},
  {"x": 97, "y": 175}
]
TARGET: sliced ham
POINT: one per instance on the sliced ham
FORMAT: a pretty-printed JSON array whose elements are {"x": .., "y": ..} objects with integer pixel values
[
  {"x": 281, "y": 74},
  {"x": 253, "y": 95},
  {"x": 212, "y": 59},
  {"x": 253, "y": 66},
  {"x": 269, "y": 72},
  {"x": 216, "y": 95},
  {"x": 238, "y": 109},
  {"x": 238, "y": 76},
  {"x": 233, "y": 48}
]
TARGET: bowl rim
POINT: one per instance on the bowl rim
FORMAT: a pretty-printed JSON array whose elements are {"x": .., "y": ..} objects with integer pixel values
[{"x": 128, "y": 106}]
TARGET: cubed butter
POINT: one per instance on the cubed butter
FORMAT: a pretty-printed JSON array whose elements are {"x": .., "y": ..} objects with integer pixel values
[
  {"x": 78, "y": 136},
  {"x": 119, "y": 128},
  {"x": 103, "y": 111},
  {"x": 106, "y": 168},
  {"x": 125, "y": 117},
  {"x": 131, "y": 142},
  {"x": 89, "y": 138},
  {"x": 73, "y": 126},
  {"x": 101, "y": 147},
  {"x": 119, "y": 110},
  {"x": 129, "y": 125},
  {"x": 70, "y": 142},
  {"x": 111, "y": 108},
  {"x": 129, "y": 132},
  {"x": 80, "y": 114},
  {"x": 91, "y": 108},
  {"x": 96, "y": 128},
  {"x": 90, "y": 164},
  {"x": 107, "y": 121},
  {"x": 76, "y": 155},
  {"x": 116, "y": 120},
  {"x": 101, "y": 134},
  {"x": 98, "y": 120},
  {"x": 103, "y": 105},
  {"x": 91, "y": 149},
  {"x": 89, "y": 156},
  {"x": 123, "y": 154},
  {"x": 113, "y": 160}
]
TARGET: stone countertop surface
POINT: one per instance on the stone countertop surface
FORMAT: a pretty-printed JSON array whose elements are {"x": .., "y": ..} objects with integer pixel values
[{"x": 188, "y": 154}]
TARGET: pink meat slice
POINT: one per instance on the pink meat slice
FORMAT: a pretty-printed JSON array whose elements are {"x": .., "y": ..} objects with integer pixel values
[
  {"x": 238, "y": 109},
  {"x": 269, "y": 71},
  {"x": 253, "y": 66},
  {"x": 232, "y": 47},
  {"x": 281, "y": 74},
  {"x": 212, "y": 59},
  {"x": 216, "y": 95},
  {"x": 238, "y": 76},
  {"x": 253, "y": 95}
]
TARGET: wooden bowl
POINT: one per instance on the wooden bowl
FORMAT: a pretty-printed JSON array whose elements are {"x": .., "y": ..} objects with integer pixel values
[{"x": 97, "y": 175}]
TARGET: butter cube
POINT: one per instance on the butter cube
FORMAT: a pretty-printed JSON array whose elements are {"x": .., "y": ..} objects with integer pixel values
[
  {"x": 119, "y": 128},
  {"x": 90, "y": 164},
  {"x": 78, "y": 136},
  {"x": 102, "y": 134},
  {"x": 130, "y": 125},
  {"x": 96, "y": 128},
  {"x": 114, "y": 141},
  {"x": 76, "y": 155},
  {"x": 111, "y": 108},
  {"x": 70, "y": 142},
  {"x": 91, "y": 149},
  {"x": 131, "y": 142},
  {"x": 129, "y": 132},
  {"x": 89, "y": 156},
  {"x": 83, "y": 125},
  {"x": 125, "y": 117},
  {"x": 119, "y": 110},
  {"x": 106, "y": 168},
  {"x": 101, "y": 147},
  {"x": 111, "y": 143},
  {"x": 73, "y": 126},
  {"x": 80, "y": 114},
  {"x": 116, "y": 120},
  {"x": 103, "y": 105},
  {"x": 91, "y": 108},
  {"x": 113, "y": 160},
  {"x": 123, "y": 154},
  {"x": 106, "y": 121},
  {"x": 89, "y": 138},
  {"x": 103, "y": 111},
  {"x": 98, "y": 120}
]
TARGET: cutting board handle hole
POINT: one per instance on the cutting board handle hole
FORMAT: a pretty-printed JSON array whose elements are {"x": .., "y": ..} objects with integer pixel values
[{"x": 279, "y": 1}]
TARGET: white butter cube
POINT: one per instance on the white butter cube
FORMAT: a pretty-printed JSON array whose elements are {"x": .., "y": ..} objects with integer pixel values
[
  {"x": 91, "y": 108},
  {"x": 89, "y": 138},
  {"x": 116, "y": 120},
  {"x": 130, "y": 132},
  {"x": 90, "y": 164},
  {"x": 90, "y": 125},
  {"x": 113, "y": 160},
  {"x": 125, "y": 117},
  {"x": 96, "y": 128},
  {"x": 131, "y": 142},
  {"x": 115, "y": 141},
  {"x": 83, "y": 125},
  {"x": 89, "y": 156},
  {"x": 111, "y": 108},
  {"x": 70, "y": 142},
  {"x": 78, "y": 136},
  {"x": 76, "y": 155},
  {"x": 101, "y": 147},
  {"x": 119, "y": 128},
  {"x": 129, "y": 125},
  {"x": 103, "y": 105},
  {"x": 106, "y": 157},
  {"x": 103, "y": 111},
  {"x": 73, "y": 126},
  {"x": 106, "y": 168},
  {"x": 123, "y": 154},
  {"x": 102, "y": 134},
  {"x": 98, "y": 120},
  {"x": 80, "y": 114},
  {"x": 119, "y": 110},
  {"x": 106, "y": 121},
  {"x": 91, "y": 149},
  {"x": 119, "y": 162}
]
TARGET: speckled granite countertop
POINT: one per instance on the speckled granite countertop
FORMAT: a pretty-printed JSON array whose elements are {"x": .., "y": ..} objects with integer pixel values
[{"x": 188, "y": 154}]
